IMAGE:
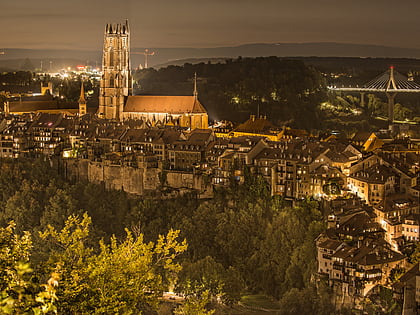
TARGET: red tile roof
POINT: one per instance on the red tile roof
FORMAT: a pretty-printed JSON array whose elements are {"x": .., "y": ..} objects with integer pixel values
[{"x": 163, "y": 104}]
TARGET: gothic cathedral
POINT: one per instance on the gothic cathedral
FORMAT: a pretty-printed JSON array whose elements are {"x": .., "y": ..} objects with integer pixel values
[
  {"x": 116, "y": 83},
  {"x": 115, "y": 94}
]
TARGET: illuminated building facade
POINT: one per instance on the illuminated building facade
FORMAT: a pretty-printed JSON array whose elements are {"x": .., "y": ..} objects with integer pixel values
[
  {"x": 116, "y": 101},
  {"x": 116, "y": 83}
]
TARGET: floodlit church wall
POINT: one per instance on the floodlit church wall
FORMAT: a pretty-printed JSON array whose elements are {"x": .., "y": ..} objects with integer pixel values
[{"x": 193, "y": 121}]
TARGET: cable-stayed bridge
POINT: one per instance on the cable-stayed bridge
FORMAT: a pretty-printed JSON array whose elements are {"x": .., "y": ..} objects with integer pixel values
[{"x": 390, "y": 82}]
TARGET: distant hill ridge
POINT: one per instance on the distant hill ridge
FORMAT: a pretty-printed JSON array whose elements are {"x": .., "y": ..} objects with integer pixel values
[{"x": 171, "y": 55}]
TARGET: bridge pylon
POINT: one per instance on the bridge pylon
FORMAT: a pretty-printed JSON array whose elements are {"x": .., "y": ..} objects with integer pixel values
[{"x": 391, "y": 83}]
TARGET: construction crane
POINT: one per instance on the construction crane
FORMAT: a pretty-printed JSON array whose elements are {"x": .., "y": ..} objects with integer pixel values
[{"x": 145, "y": 53}]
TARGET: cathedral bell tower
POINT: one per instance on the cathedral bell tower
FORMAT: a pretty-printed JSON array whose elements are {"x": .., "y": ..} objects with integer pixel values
[{"x": 116, "y": 82}]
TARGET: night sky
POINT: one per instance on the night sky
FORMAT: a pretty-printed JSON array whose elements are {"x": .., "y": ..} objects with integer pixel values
[{"x": 79, "y": 24}]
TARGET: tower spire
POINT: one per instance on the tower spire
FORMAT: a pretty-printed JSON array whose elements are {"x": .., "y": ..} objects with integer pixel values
[
  {"x": 82, "y": 94},
  {"x": 82, "y": 101},
  {"x": 195, "y": 93}
]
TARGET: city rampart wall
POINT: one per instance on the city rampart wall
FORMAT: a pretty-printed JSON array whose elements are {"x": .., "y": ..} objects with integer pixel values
[{"x": 134, "y": 180}]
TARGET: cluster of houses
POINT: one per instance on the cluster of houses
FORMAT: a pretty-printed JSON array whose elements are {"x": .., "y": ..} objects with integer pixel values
[
  {"x": 295, "y": 165},
  {"x": 370, "y": 187},
  {"x": 375, "y": 227}
]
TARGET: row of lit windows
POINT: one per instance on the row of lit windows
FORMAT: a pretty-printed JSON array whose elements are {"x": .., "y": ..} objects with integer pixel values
[
  {"x": 42, "y": 138},
  {"x": 410, "y": 230}
]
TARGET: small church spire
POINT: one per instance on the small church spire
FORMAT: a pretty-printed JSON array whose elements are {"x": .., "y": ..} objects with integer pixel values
[
  {"x": 195, "y": 93},
  {"x": 82, "y": 94},
  {"x": 82, "y": 101}
]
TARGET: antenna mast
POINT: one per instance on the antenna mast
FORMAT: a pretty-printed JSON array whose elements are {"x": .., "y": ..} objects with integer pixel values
[{"x": 145, "y": 53}]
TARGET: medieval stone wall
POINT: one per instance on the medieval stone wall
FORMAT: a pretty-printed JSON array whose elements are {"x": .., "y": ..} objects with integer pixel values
[
  {"x": 75, "y": 170},
  {"x": 190, "y": 181},
  {"x": 134, "y": 180}
]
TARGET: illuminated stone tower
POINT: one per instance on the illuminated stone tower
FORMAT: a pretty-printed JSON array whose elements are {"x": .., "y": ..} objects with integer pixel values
[{"x": 116, "y": 83}]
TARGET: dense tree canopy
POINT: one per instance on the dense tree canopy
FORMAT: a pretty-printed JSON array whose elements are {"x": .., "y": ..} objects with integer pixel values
[
  {"x": 241, "y": 241},
  {"x": 284, "y": 90},
  {"x": 20, "y": 293}
]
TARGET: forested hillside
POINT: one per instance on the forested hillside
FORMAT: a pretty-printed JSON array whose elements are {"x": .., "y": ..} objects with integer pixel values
[
  {"x": 284, "y": 90},
  {"x": 289, "y": 92},
  {"x": 241, "y": 242}
]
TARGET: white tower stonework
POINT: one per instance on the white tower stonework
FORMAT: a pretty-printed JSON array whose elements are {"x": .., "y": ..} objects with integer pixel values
[{"x": 116, "y": 82}]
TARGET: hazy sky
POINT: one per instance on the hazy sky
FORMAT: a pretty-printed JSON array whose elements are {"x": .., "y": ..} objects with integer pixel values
[{"x": 79, "y": 24}]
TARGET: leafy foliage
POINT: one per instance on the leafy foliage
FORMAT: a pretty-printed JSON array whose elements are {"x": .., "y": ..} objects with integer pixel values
[
  {"x": 242, "y": 240},
  {"x": 195, "y": 305},
  {"x": 19, "y": 292},
  {"x": 124, "y": 277}
]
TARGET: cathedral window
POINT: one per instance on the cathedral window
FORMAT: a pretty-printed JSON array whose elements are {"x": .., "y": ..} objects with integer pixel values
[
  {"x": 111, "y": 57},
  {"x": 124, "y": 56},
  {"x": 111, "y": 81}
]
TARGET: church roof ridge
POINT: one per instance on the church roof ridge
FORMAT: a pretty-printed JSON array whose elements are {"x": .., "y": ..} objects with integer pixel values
[{"x": 163, "y": 104}]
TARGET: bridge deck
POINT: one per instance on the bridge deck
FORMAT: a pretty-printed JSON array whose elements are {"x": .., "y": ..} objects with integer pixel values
[
  {"x": 390, "y": 81},
  {"x": 350, "y": 89}
]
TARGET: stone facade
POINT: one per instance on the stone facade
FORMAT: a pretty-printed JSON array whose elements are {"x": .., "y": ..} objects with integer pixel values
[
  {"x": 116, "y": 81},
  {"x": 135, "y": 180}
]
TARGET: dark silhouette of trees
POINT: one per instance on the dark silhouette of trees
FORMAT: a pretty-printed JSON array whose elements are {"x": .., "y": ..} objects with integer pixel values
[{"x": 284, "y": 90}]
